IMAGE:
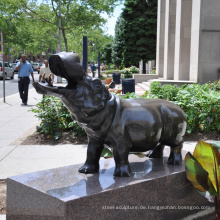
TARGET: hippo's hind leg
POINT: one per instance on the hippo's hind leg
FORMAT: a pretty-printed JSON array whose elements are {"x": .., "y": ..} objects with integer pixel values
[
  {"x": 157, "y": 152},
  {"x": 175, "y": 157}
]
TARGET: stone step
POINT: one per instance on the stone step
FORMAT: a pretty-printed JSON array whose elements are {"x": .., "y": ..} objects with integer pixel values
[
  {"x": 146, "y": 84},
  {"x": 143, "y": 86}
]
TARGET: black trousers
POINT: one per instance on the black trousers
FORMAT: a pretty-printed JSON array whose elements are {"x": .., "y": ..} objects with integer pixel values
[
  {"x": 23, "y": 85},
  {"x": 93, "y": 73}
]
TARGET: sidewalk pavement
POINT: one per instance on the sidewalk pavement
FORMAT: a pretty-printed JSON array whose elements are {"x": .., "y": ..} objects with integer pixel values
[{"x": 16, "y": 124}]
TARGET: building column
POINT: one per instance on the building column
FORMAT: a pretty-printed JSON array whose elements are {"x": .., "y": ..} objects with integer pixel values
[
  {"x": 182, "y": 39},
  {"x": 169, "y": 39},
  {"x": 160, "y": 37},
  {"x": 195, "y": 33}
]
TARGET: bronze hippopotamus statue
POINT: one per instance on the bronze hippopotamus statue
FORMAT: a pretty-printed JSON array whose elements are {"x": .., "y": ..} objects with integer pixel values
[{"x": 133, "y": 125}]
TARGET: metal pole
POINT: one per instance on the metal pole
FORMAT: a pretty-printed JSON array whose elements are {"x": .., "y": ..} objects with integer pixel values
[
  {"x": 59, "y": 79},
  {"x": 99, "y": 64},
  {"x": 85, "y": 53},
  {"x": 59, "y": 26},
  {"x": 3, "y": 56}
]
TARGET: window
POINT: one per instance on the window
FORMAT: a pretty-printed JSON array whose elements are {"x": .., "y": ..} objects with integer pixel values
[{"x": 6, "y": 65}]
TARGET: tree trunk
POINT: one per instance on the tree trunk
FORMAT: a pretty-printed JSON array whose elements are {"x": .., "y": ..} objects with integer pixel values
[
  {"x": 217, "y": 208},
  {"x": 65, "y": 40}
]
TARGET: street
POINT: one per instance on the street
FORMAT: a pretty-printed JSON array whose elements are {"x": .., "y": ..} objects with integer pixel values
[{"x": 11, "y": 85}]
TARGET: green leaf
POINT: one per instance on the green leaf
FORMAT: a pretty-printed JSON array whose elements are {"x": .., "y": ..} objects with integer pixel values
[
  {"x": 209, "y": 158},
  {"x": 197, "y": 175},
  {"x": 140, "y": 155},
  {"x": 106, "y": 153}
]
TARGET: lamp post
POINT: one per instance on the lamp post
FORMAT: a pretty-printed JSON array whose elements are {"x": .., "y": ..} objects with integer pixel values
[
  {"x": 99, "y": 60},
  {"x": 3, "y": 66},
  {"x": 59, "y": 79},
  {"x": 85, "y": 53}
]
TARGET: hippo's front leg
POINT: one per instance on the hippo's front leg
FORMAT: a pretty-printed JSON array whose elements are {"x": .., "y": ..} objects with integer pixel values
[{"x": 94, "y": 152}]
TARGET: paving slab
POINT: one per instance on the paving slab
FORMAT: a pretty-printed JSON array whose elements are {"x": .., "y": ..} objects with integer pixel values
[
  {"x": 2, "y": 217},
  {"x": 30, "y": 158}
]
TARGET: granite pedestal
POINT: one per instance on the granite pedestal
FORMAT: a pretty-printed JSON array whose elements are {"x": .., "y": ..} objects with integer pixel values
[{"x": 155, "y": 190}]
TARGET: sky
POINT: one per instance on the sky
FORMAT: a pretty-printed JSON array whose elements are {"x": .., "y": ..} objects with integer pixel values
[{"x": 110, "y": 25}]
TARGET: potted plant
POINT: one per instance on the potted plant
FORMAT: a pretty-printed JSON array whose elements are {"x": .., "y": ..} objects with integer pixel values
[
  {"x": 128, "y": 83},
  {"x": 116, "y": 77},
  {"x": 134, "y": 69},
  {"x": 117, "y": 90},
  {"x": 202, "y": 170},
  {"x": 127, "y": 73},
  {"x": 108, "y": 79}
]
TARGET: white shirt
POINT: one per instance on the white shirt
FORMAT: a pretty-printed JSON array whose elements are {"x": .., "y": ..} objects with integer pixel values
[{"x": 45, "y": 70}]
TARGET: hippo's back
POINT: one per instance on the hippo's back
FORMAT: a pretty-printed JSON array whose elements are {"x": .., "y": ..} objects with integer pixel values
[{"x": 152, "y": 121}]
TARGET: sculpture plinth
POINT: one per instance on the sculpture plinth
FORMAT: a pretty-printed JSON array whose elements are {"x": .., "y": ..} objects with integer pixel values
[{"x": 63, "y": 193}]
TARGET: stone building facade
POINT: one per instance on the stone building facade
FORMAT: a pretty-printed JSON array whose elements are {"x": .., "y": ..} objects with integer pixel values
[{"x": 188, "y": 40}]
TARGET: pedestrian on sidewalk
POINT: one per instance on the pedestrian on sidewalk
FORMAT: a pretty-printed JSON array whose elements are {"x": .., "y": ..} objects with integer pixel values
[
  {"x": 93, "y": 70},
  {"x": 24, "y": 69}
]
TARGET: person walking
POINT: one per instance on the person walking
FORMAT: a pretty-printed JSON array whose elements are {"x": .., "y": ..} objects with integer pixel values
[
  {"x": 93, "y": 70},
  {"x": 24, "y": 69},
  {"x": 45, "y": 69}
]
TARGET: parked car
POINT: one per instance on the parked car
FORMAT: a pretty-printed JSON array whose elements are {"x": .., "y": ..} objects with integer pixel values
[
  {"x": 38, "y": 68},
  {"x": 34, "y": 66},
  {"x": 14, "y": 65},
  {"x": 9, "y": 71}
]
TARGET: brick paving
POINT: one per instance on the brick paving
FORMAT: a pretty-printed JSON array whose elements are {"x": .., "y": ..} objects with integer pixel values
[{"x": 138, "y": 90}]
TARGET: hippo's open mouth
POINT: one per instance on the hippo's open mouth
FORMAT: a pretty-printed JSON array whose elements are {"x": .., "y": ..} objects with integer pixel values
[
  {"x": 65, "y": 65},
  {"x": 46, "y": 88}
]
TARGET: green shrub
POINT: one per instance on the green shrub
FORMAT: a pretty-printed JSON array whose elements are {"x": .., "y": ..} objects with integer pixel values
[
  {"x": 167, "y": 92},
  {"x": 55, "y": 118},
  {"x": 153, "y": 72},
  {"x": 199, "y": 102},
  {"x": 130, "y": 96}
]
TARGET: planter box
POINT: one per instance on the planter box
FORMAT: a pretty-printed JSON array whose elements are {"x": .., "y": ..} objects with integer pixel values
[{"x": 128, "y": 85}]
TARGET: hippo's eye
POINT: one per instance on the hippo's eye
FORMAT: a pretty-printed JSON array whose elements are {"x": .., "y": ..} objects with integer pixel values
[{"x": 96, "y": 84}]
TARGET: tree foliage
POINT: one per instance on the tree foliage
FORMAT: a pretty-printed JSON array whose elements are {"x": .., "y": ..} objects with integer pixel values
[
  {"x": 118, "y": 44},
  {"x": 139, "y": 31},
  {"x": 74, "y": 14},
  {"x": 34, "y": 27},
  {"x": 107, "y": 51}
]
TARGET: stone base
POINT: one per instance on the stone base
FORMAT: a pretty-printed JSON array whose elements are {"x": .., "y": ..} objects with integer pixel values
[
  {"x": 155, "y": 190},
  {"x": 139, "y": 78}
]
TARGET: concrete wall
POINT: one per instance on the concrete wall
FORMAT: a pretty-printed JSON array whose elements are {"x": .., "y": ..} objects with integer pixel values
[
  {"x": 139, "y": 78},
  {"x": 209, "y": 56}
]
